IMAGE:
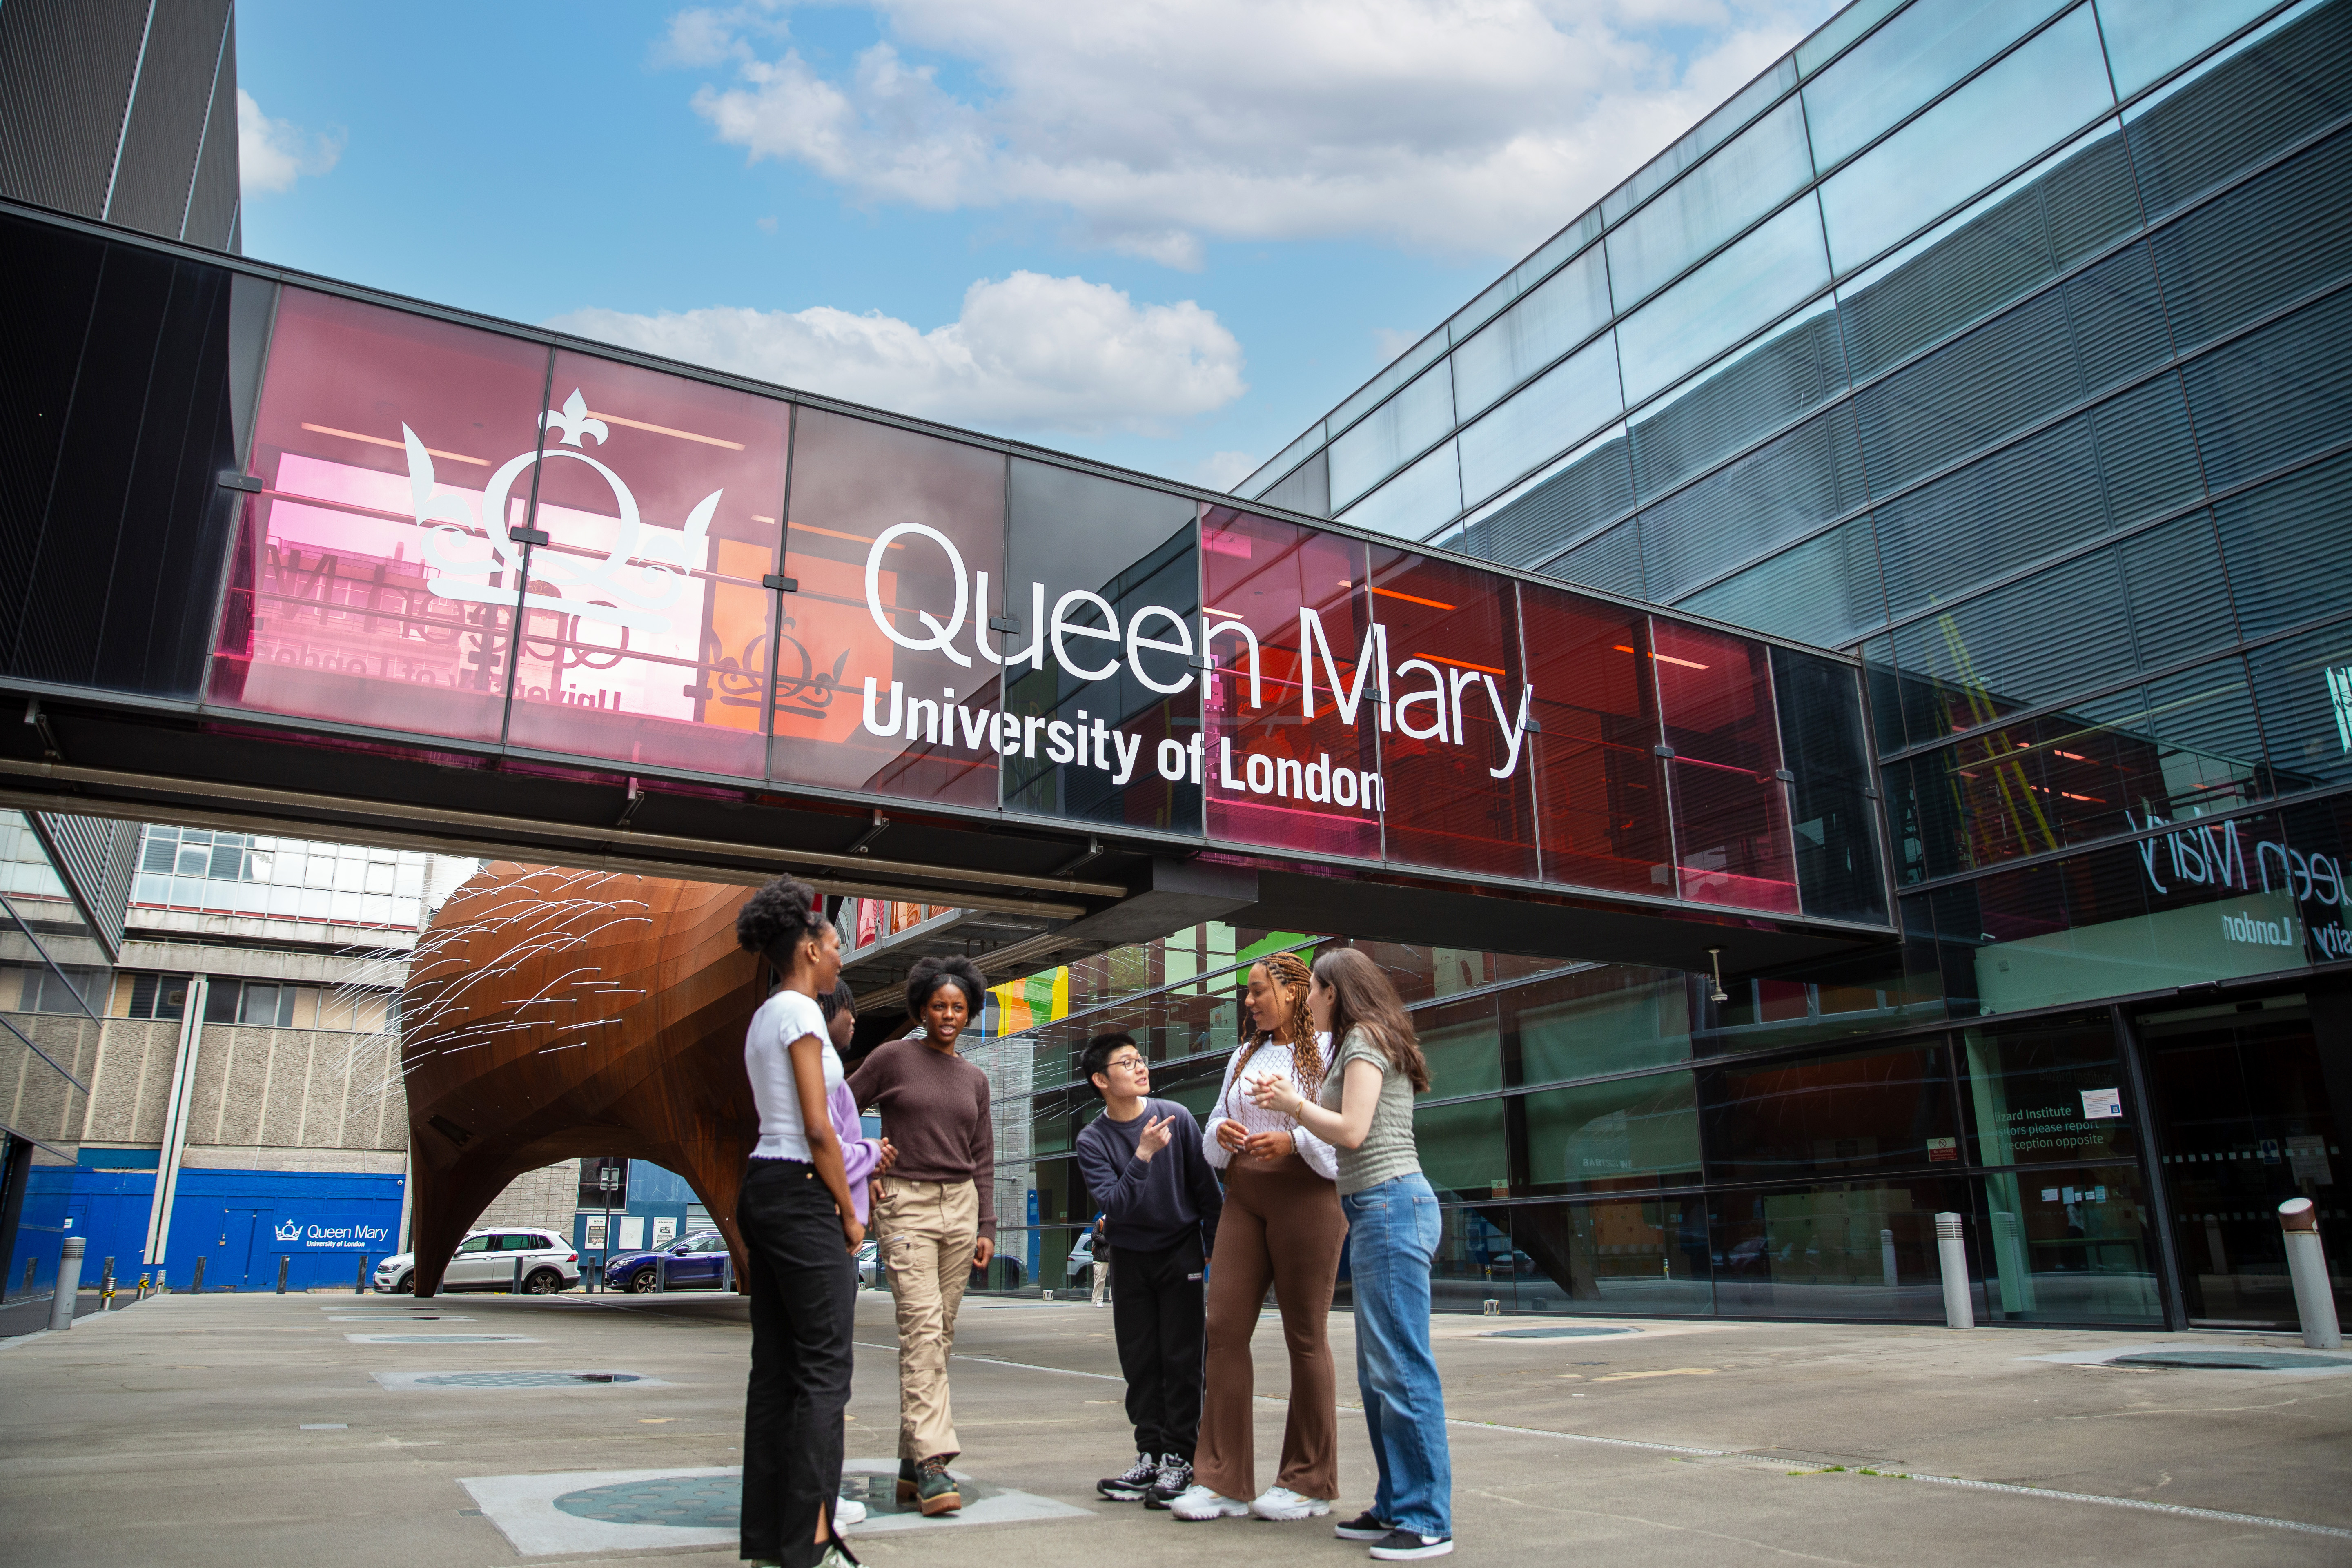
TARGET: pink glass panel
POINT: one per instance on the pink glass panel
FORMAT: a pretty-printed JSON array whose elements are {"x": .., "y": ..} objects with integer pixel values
[
  {"x": 647, "y": 633},
  {"x": 928, "y": 732},
  {"x": 342, "y": 605},
  {"x": 1274, "y": 775},
  {"x": 1601, "y": 787},
  {"x": 1731, "y": 813},
  {"x": 1454, "y": 718}
]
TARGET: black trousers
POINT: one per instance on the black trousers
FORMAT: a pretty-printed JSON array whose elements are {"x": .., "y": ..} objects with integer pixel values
[
  {"x": 804, "y": 1295},
  {"x": 1159, "y": 1315}
]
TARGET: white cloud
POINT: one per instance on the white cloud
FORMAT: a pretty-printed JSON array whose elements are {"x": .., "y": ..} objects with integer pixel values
[
  {"x": 1464, "y": 126},
  {"x": 1393, "y": 341},
  {"x": 1028, "y": 353},
  {"x": 1223, "y": 470},
  {"x": 271, "y": 155}
]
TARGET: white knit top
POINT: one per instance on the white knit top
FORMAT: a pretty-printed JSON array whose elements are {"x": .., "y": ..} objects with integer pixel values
[{"x": 1234, "y": 1105}]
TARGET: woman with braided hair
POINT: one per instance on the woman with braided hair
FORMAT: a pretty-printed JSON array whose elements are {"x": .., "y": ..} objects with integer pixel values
[{"x": 1282, "y": 1225}]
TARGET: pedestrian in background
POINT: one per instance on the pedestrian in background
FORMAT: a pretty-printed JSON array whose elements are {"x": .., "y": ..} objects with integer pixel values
[
  {"x": 1142, "y": 1162},
  {"x": 1281, "y": 1227},
  {"x": 1365, "y": 1111},
  {"x": 798, "y": 1220},
  {"x": 1098, "y": 1271},
  {"x": 935, "y": 1212}
]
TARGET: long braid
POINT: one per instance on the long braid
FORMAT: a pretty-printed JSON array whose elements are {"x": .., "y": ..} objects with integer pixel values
[{"x": 1297, "y": 1030}]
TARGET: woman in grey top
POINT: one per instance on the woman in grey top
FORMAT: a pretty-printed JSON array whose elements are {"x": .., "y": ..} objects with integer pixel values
[{"x": 1365, "y": 1112}]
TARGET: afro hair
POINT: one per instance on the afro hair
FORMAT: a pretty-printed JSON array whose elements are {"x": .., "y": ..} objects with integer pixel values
[
  {"x": 930, "y": 973},
  {"x": 779, "y": 917}
]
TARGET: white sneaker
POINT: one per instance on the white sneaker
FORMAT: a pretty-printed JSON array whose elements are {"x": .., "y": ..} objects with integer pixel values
[
  {"x": 846, "y": 1512},
  {"x": 1197, "y": 1502},
  {"x": 1281, "y": 1502}
]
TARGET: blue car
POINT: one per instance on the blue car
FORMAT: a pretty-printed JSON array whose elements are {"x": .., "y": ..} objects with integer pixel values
[{"x": 695, "y": 1262}]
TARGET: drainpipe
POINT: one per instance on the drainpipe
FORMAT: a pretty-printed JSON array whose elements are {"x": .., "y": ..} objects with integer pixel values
[{"x": 175, "y": 1123}]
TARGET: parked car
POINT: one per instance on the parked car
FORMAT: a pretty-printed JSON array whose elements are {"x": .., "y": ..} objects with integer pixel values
[
  {"x": 1080, "y": 1268},
  {"x": 486, "y": 1261},
  {"x": 695, "y": 1262},
  {"x": 869, "y": 1265}
]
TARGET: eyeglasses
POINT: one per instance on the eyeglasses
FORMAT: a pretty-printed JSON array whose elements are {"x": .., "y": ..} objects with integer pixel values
[{"x": 1129, "y": 1063}]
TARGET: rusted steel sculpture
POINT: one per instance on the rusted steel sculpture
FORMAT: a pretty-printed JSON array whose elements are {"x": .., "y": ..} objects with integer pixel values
[{"x": 552, "y": 1012}]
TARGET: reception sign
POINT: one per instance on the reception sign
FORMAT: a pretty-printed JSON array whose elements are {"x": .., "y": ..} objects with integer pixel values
[{"x": 460, "y": 535}]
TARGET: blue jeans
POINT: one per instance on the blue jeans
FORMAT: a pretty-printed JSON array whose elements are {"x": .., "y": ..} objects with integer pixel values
[{"x": 1392, "y": 1231}]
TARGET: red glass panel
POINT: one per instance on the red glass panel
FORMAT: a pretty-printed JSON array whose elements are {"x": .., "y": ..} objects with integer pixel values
[
  {"x": 646, "y": 631},
  {"x": 366, "y": 588},
  {"x": 1730, "y": 809},
  {"x": 1601, "y": 788},
  {"x": 1275, "y": 774},
  {"x": 1456, "y": 710},
  {"x": 927, "y": 517}
]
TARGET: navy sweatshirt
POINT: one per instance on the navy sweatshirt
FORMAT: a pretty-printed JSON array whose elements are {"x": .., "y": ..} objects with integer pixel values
[{"x": 1150, "y": 1204}]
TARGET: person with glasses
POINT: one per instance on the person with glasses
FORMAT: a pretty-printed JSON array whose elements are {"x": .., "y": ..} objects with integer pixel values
[{"x": 1143, "y": 1164}]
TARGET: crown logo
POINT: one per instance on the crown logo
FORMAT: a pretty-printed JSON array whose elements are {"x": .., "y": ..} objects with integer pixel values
[{"x": 289, "y": 1230}]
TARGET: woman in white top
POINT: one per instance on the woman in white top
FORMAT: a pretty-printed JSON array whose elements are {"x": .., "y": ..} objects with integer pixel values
[
  {"x": 799, "y": 1224},
  {"x": 1282, "y": 1225}
]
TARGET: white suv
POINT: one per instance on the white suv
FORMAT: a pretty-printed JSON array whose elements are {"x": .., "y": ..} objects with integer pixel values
[{"x": 486, "y": 1259}]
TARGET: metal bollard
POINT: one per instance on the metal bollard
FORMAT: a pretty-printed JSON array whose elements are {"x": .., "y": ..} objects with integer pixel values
[
  {"x": 283, "y": 1259},
  {"x": 1886, "y": 1257},
  {"x": 516, "y": 1289},
  {"x": 2307, "y": 1265},
  {"x": 1492, "y": 1307},
  {"x": 1952, "y": 1253},
  {"x": 358, "y": 1285},
  {"x": 61, "y": 1305},
  {"x": 727, "y": 1274},
  {"x": 106, "y": 1288},
  {"x": 196, "y": 1284},
  {"x": 30, "y": 1263},
  {"x": 143, "y": 1289},
  {"x": 661, "y": 1272}
]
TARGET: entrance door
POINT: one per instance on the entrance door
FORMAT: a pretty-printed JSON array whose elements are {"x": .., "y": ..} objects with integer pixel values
[
  {"x": 233, "y": 1254},
  {"x": 2250, "y": 1110}
]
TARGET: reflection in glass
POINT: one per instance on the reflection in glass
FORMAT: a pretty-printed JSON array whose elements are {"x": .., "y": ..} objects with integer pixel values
[
  {"x": 1831, "y": 1115},
  {"x": 2046, "y": 90},
  {"x": 1562, "y": 312},
  {"x": 1849, "y": 1250},
  {"x": 1398, "y": 429},
  {"x": 1604, "y": 1019},
  {"x": 1905, "y": 63},
  {"x": 647, "y": 631},
  {"x": 2146, "y": 38},
  {"x": 1838, "y": 869},
  {"x": 2071, "y": 1245},
  {"x": 1416, "y": 502},
  {"x": 1461, "y": 1147},
  {"x": 1774, "y": 268},
  {"x": 1601, "y": 788},
  {"x": 1730, "y": 808},
  {"x": 1528, "y": 523},
  {"x": 1745, "y": 395},
  {"x": 1738, "y": 183},
  {"x": 369, "y": 586},
  {"x": 1556, "y": 410},
  {"x": 1631, "y": 1254},
  {"x": 1625, "y": 1132},
  {"x": 1781, "y": 491},
  {"x": 1826, "y": 591},
  {"x": 2048, "y": 1092}
]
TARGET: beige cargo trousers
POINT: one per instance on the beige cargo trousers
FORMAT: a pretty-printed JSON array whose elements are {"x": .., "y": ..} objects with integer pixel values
[{"x": 925, "y": 1233}]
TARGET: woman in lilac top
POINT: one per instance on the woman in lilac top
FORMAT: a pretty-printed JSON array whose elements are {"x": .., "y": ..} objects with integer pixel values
[{"x": 862, "y": 1158}]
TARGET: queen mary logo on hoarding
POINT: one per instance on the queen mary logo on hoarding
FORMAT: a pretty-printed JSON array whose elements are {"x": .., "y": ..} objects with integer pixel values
[{"x": 632, "y": 585}]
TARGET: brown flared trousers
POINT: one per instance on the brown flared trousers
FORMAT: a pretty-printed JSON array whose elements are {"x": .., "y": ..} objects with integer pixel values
[{"x": 1282, "y": 1225}]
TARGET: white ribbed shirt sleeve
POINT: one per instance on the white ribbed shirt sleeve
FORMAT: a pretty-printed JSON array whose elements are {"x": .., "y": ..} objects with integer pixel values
[
  {"x": 1234, "y": 1104},
  {"x": 1320, "y": 1157}
]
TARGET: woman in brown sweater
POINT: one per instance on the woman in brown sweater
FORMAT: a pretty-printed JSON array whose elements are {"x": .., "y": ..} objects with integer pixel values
[{"x": 935, "y": 1213}]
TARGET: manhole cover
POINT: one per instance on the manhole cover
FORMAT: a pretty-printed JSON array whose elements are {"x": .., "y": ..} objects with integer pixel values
[
  {"x": 521, "y": 1379},
  {"x": 1559, "y": 1333},
  {"x": 2235, "y": 1361},
  {"x": 689, "y": 1502}
]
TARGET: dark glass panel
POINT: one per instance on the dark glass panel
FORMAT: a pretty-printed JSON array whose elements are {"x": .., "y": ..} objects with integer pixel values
[
  {"x": 647, "y": 633},
  {"x": 1831, "y": 1116},
  {"x": 1988, "y": 257},
  {"x": 2278, "y": 87},
  {"x": 2048, "y": 1092},
  {"x": 1620, "y": 1255},
  {"x": 1730, "y": 808},
  {"x": 2264, "y": 245},
  {"x": 1883, "y": 685},
  {"x": 1528, "y": 525},
  {"x": 1781, "y": 491},
  {"x": 1760, "y": 388},
  {"x": 1604, "y": 1019},
  {"x": 2289, "y": 547},
  {"x": 1115, "y": 567},
  {"x": 2303, "y": 688},
  {"x": 1461, "y": 1042},
  {"x": 1826, "y": 591},
  {"x": 374, "y": 581},
  {"x": 2127, "y": 459},
  {"x": 1850, "y": 1250},
  {"x": 1260, "y": 577},
  {"x": 1454, "y": 732},
  {"x": 2274, "y": 395},
  {"x": 1622, "y": 1133},
  {"x": 2061, "y": 346},
  {"x": 1462, "y": 1146},
  {"x": 1307, "y": 489},
  {"x": 1611, "y": 560},
  {"x": 118, "y": 414},
  {"x": 924, "y": 728},
  {"x": 1600, "y": 791},
  {"x": 1838, "y": 869},
  {"x": 2070, "y": 1244},
  {"x": 1820, "y": 1004}
]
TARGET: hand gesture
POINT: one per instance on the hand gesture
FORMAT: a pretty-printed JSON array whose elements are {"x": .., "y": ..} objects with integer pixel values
[
  {"x": 1230, "y": 1134},
  {"x": 1268, "y": 1092},
  {"x": 981, "y": 1251},
  {"x": 1153, "y": 1138},
  {"x": 852, "y": 1233},
  {"x": 1271, "y": 1145},
  {"x": 889, "y": 1157}
]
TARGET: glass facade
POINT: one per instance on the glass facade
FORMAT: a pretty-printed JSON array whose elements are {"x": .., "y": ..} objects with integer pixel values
[{"x": 216, "y": 872}]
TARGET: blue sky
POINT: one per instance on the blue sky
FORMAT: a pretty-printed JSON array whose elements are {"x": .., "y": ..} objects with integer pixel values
[{"x": 1166, "y": 235}]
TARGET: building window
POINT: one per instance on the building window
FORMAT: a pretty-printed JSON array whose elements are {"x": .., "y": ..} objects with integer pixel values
[{"x": 158, "y": 996}]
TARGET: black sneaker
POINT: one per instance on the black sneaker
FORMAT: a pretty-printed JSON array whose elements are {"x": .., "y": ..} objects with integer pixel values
[
  {"x": 1405, "y": 1546},
  {"x": 1132, "y": 1482},
  {"x": 1174, "y": 1475},
  {"x": 1365, "y": 1526},
  {"x": 935, "y": 1490}
]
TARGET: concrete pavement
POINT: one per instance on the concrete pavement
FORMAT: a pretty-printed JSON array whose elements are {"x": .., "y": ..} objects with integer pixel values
[{"x": 264, "y": 1430}]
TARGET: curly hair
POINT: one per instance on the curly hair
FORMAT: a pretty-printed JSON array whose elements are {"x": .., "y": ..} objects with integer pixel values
[
  {"x": 1296, "y": 1029},
  {"x": 929, "y": 974},
  {"x": 777, "y": 918}
]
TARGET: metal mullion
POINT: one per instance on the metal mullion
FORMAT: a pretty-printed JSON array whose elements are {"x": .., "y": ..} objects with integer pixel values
[
  {"x": 2168, "y": 1271},
  {"x": 1661, "y": 754},
  {"x": 246, "y": 505},
  {"x": 776, "y": 606},
  {"x": 522, "y": 572},
  {"x": 1527, "y": 756}
]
